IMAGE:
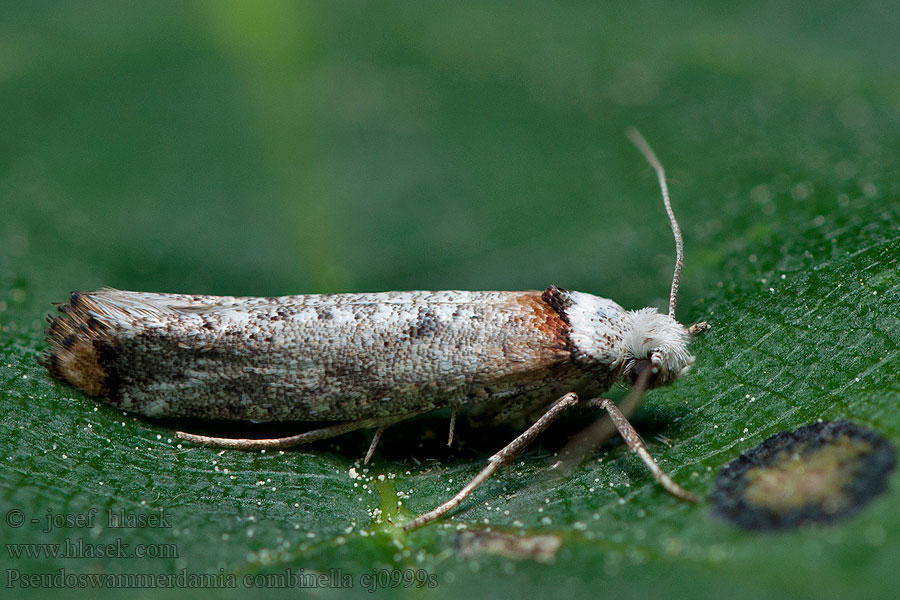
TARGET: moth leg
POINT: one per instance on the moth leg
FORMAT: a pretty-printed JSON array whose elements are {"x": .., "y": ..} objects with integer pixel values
[
  {"x": 631, "y": 437},
  {"x": 306, "y": 437},
  {"x": 377, "y": 437},
  {"x": 501, "y": 458},
  {"x": 375, "y": 440},
  {"x": 452, "y": 427},
  {"x": 697, "y": 328}
]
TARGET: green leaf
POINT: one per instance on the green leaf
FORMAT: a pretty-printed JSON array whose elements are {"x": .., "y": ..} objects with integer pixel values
[{"x": 262, "y": 149}]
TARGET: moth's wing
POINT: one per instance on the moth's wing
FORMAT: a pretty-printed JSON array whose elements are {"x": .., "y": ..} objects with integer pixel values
[{"x": 336, "y": 356}]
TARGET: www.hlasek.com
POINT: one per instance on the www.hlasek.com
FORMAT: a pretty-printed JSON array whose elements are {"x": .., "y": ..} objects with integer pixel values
[
  {"x": 80, "y": 548},
  {"x": 288, "y": 578}
]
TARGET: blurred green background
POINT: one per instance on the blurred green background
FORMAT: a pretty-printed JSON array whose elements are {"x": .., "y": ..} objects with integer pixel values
[{"x": 267, "y": 148}]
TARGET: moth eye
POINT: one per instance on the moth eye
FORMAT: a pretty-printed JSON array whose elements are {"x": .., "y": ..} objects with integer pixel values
[{"x": 638, "y": 369}]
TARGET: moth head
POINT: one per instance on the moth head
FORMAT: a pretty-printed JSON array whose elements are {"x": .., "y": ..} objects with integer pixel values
[{"x": 656, "y": 342}]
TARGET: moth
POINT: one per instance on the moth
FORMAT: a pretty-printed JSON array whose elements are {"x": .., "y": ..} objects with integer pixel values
[{"x": 349, "y": 361}]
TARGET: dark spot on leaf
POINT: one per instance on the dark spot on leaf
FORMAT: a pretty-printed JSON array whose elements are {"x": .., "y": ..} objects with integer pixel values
[{"x": 818, "y": 473}]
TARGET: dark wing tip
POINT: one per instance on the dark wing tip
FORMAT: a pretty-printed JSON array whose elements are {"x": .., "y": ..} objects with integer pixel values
[{"x": 73, "y": 342}]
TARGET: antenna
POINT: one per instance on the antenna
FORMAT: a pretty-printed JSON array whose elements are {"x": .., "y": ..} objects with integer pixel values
[{"x": 641, "y": 144}]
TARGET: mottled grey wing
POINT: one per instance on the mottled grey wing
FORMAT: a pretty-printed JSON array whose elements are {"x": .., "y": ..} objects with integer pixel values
[{"x": 314, "y": 358}]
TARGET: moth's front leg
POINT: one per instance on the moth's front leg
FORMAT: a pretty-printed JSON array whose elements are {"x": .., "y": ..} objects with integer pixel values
[{"x": 636, "y": 444}]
